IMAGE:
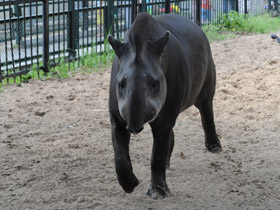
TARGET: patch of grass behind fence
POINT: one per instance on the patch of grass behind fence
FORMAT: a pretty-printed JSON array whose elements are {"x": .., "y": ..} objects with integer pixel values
[
  {"x": 234, "y": 24},
  {"x": 263, "y": 24},
  {"x": 89, "y": 62}
]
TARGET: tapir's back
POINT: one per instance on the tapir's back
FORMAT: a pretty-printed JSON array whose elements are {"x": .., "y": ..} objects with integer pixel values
[
  {"x": 191, "y": 57},
  {"x": 187, "y": 32}
]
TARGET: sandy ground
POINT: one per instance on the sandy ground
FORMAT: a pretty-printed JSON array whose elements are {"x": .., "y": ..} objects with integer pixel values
[{"x": 56, "y": 152}]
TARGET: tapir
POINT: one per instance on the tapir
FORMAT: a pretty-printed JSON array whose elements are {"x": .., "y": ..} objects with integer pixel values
[{"x": 163, "y": 66}]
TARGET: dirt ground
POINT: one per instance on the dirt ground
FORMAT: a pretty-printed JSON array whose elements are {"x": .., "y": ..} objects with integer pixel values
[{"x": 56, "y": 152}]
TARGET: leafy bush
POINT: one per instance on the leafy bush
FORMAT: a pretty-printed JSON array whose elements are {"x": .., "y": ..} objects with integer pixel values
[{"x": 233, "y": 21}]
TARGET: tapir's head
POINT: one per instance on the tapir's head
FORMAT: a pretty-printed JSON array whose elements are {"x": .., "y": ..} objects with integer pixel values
[{"x": 140, "y": 83}]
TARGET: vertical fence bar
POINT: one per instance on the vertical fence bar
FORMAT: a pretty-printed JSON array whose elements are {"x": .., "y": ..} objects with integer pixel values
[
  {"x": 18, "y": 13},
  {"x": 198, "y": 12},
  {"x": 84, "y": 14},
  {"x": 37, "y": 38},
  {"x": 6, "y": 41},
  {"x": 143, "y": 6},
  {"x": 72, "y": 27},
  {"x": 76, "y": 10},
  {"x": 97, "y": 24},
  {"x": 46, "y": 38},
  {"x": 25, "y": 32},
  {"x": 110, "y": 17},
  {"x": 91, "y": 25},
  {"x": 11, "y": 37},
  {"x": 236, "y": 6},
  {"x": 19, "y": 32},
  {"x": 133, "y": 11},
  {"x": 52, "y": 51},
  {"x": 31, "y": 33},
  {"x": 85, "y": 22},
  {"x": 77, "y": 15},
  {"x": 58, "y": 45},
  {"x": 167, "y": 6},
  {"x": 245, "y": 7},
  {"x": 64, "y": 27}
]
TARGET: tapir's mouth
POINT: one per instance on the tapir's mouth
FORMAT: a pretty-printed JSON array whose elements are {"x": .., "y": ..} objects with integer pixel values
[{"x": 135, "y": 131}]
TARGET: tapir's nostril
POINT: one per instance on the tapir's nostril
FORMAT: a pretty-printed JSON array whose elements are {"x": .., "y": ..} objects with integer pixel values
[{"x": 135, "y": 131}]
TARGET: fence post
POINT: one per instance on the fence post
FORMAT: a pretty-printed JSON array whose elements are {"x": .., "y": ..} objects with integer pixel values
[
  {"x": 18, "y": 28},
  {"x": 198, "y": 12},
  {"x": 236, "y": 6},
  {"x": 85, "y": 14},
  {"x": 110, "y": 17},
  {"x": 46, "y": 38},
  {"x": 73, "y": 29},
  {"x": 245, "y": 7},
  {"x": 143, "y": 6},
  {"x": 167, "y": 6},
  {"x": 133, "y": 10}
]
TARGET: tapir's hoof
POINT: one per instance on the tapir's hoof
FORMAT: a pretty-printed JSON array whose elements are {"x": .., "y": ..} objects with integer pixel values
[
  {"x": 214, "y": 147},
  {"x": 129, "y": 184},
  {"x": 158, "y": 192}
]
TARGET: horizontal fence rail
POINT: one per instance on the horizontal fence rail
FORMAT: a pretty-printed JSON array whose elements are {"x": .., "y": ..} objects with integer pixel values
[{"x": 42, "y": 33}]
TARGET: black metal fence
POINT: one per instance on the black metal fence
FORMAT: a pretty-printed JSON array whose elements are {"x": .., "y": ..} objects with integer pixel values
[{"x": 41, "y": 33}]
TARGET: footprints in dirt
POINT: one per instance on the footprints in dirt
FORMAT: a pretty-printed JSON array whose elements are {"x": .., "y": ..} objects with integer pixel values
[
  {"x": 71, "y": 97},
  {"x": 40, "y": 113},
  {"x": 50, "y": 97},
  {"x": 273, "y": 62},
  {"x": 8, "y": 126}
]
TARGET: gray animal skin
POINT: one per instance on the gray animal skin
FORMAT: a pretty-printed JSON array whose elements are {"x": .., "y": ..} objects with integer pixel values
[{"x": 163, "y": 67}]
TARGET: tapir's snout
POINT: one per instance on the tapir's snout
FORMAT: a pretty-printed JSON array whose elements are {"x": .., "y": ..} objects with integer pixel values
[{"x": 134, "y": 131}]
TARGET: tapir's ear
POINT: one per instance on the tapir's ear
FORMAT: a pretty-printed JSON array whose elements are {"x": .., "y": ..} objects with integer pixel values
[
  {"x": 161, "y": 42},
  {"x": 116, "y": 45}
]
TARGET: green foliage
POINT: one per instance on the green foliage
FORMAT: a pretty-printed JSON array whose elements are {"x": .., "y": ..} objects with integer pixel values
[
  {"x": 233, "y": 24},
  {"x": 234, "y": 21},
  {"x": 214, "y": 33},
  {"x": 61, "y": 71},
  {"x": 250, "y": 24},
  {"x": 262, "y": 24},
  {"x": 34, "y": 73},
  {"x": 8, "y": 81},
  {"x": 87, "y": 63},
  {"x": 93, "y": 61}
]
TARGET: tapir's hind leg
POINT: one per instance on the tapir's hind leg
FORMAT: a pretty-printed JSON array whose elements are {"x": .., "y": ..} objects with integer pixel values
[{"x": 212, "y": 141}]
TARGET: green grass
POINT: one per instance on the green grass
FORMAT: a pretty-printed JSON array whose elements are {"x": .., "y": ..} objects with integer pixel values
[
  {"x": 234, "y": 24},
  {"x": 88, "y": 63},
  {"x": 214, "y": 33},
  {"x": 262, "y": 24}
]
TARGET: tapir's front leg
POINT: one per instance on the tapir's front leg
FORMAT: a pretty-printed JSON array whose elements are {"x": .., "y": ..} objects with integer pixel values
[
  {"x": 121, "y": 138},
  {"x": 158, "y": 188}
]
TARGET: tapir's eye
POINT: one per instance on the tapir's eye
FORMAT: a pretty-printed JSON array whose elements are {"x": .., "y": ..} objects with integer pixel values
[
  {"x": 121, "y": 85},
  {"x": 155, "y": 85}
]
